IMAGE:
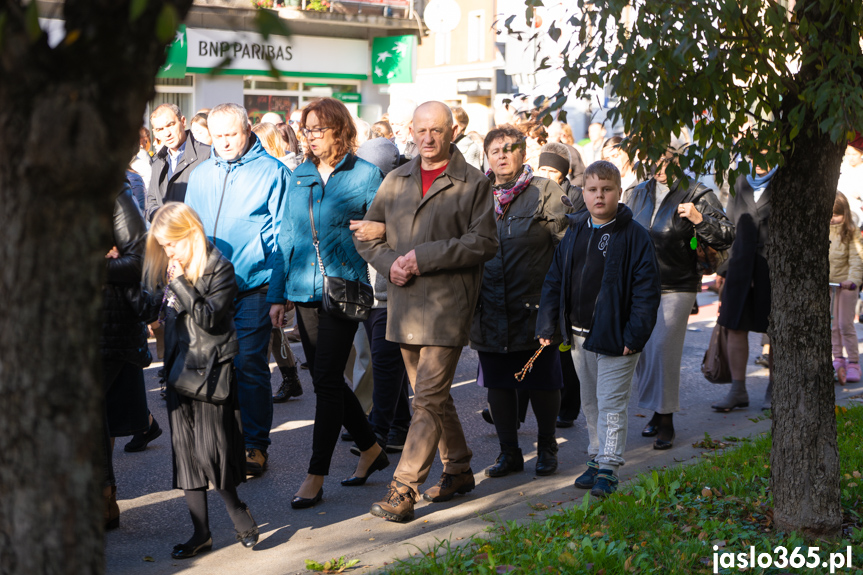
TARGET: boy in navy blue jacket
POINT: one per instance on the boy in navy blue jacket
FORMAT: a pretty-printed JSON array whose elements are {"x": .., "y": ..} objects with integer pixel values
[{"x": 602, "y": 294}]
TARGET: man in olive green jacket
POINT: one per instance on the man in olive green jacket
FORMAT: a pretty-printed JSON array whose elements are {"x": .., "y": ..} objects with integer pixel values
[{"x": 440, "y": 230}]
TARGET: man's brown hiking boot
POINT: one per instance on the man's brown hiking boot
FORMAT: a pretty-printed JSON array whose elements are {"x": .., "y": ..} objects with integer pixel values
[
  {"x": 397, "y": 505},
  {"x": 449, "y": 485}
]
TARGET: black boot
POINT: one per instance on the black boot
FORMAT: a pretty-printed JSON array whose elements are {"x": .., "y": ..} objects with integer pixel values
[
  {"x": 665, "y": 432},
  {"x": 290, "y": 386},
  {"x": 509, "y": 460},
  {"x": 546, "y": 456}
]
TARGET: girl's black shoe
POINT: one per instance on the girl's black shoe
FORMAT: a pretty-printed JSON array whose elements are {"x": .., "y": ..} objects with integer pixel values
[{"x": 186, "y": 551}]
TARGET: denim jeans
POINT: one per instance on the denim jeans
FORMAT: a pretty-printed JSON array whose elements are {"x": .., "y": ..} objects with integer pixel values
[
  {"x": 254, "y": 328},
  {"x": 391, "y": 385}
]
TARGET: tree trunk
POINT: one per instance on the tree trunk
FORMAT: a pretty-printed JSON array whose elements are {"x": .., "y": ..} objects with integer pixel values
[
  {"x": 69, "y": 118},
  {"x": 804, "y": 459}
]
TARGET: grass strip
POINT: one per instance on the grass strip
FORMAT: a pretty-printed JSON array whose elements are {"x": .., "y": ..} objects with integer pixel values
[{"x": 673, "y": 521}]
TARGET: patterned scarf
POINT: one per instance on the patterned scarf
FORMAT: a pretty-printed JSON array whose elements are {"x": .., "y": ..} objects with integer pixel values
[{"x": 506, "y": 193}]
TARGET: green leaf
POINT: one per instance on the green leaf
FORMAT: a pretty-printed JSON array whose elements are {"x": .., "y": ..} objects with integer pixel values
[
  {"x": 554, "y": 32},
  {"x": 31, "y": 22},
  {"x": 166, "y": 23},
  {"x": 269, "y": 24},
  {"x": 136, "y": 8},
  {"x": 313, "y": 565}
]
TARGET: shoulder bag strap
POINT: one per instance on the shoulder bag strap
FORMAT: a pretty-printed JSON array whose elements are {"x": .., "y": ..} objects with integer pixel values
[{"x": 315, "y": 233}]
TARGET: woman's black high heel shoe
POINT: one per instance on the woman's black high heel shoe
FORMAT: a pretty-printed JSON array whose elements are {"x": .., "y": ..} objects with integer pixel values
[
  {"x": 186, "y": 551},
  {"x": 303, "y": 503},
  {"x": 381, "y": 462}
]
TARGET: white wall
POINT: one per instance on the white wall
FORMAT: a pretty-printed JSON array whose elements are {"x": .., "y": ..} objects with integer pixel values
[{"x": 213, "y": 90}]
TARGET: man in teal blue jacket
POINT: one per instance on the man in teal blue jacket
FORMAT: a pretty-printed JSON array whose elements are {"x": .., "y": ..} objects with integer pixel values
[{"x": 239, "y": 193}]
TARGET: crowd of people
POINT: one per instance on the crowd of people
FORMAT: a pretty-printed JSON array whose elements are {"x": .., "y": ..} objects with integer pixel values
[{"x": 434, "y": 238}]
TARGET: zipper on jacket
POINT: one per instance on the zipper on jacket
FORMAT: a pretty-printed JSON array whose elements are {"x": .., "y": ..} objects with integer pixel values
[
  {"x": 581, "y": 282},
  {"x": 222, "y": 199}
]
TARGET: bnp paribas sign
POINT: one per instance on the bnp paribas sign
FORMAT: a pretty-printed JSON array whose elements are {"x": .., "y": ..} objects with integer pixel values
[{"x": 204, "y": 51}]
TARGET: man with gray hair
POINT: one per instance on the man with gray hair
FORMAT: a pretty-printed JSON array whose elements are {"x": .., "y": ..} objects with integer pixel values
[
  {"x": 175, "y": 161},
  {"x": 239, "y": 193},
  {"x": 440, "y": 230}
]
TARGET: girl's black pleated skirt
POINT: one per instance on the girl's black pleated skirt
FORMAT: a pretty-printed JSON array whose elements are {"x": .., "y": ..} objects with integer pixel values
[{"x": 207, "y": 441}]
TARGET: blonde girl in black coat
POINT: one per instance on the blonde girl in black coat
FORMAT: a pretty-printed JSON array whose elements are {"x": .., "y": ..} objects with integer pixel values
[{"x": 198, "y": 289}]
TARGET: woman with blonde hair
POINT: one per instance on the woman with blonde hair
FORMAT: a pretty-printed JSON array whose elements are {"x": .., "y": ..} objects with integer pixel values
[
  {"x": 198, "y": 290},
  {"x": 270, "y": 139}
]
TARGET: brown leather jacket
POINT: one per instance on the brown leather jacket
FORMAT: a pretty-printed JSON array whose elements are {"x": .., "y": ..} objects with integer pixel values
[{"x": 452, "y": 229}]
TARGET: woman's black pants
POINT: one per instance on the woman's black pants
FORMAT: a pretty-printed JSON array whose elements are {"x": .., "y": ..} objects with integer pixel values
[{"x": 336, "y": 404}]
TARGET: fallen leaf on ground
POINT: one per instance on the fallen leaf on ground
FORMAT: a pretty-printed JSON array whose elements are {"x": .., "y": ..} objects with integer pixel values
[
  {"x": 596, "y": 534},
  {"x": 567, "y": 558},
  {"x": 719, "y": 543},
  {"x": 506, "y": 568},
  {"x": 480, "y": 557},
  {"x": 149, "y": 559}
]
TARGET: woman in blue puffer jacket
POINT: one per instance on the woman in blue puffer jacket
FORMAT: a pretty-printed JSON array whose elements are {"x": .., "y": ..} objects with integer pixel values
[{"x": 341, "y": 187}]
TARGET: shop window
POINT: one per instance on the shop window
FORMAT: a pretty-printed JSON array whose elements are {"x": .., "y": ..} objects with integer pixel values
[
  {"x": 257, "y": 105},
  {"x": 178, "y": 91},
  {"x": 476, "y": 36},
  {"x": 262, "y": 95}
]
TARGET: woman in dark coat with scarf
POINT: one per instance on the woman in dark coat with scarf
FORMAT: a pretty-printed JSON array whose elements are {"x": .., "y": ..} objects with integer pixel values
[
  {"x": 746, "y": 293},
  {"x": 530, "y": 222},
  {"x": 674, "y": 215},
  {"x": 206, "y": 438},
  {"x": 124, "y": 348}
]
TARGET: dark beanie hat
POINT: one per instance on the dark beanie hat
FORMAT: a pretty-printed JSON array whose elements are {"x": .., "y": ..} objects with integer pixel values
[
  {"x": 552, "y": 156},
  {"x": 857, "y": 142},
  {"x": 380, "y": 152}
]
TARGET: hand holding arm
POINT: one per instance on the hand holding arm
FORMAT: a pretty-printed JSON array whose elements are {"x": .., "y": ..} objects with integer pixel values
[{"x": 366, "y": 231}]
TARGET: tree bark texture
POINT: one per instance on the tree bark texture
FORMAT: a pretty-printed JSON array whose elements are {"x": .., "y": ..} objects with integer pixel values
[
  {"x": 69, "y": 118},
  {"x": 804, "y": 458}
]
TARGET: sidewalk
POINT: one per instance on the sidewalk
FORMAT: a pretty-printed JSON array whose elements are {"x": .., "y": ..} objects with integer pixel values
[{"x": 154, "y": 517}]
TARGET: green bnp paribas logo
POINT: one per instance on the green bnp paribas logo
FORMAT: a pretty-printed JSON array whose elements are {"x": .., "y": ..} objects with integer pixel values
[
  {"x": 175, "y": 63},
  {"x": 392, "y": 59}
]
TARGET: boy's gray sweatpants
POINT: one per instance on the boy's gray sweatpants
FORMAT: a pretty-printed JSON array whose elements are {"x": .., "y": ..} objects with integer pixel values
[{"x": 606, "y": 384}]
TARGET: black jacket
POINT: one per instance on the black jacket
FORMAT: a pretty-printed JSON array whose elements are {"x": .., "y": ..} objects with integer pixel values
[
  {"x": 160, "y": 183},
  {"x": 746, "y": 295},
  {"x": 575, "y": 195},
  {"x": 672, "y": 234},
  {"x": 505, "y": 318},
  {"x": 625, "y": 312},
  {"x": 202, "y": 329},
  {"x": 124, "y": 334}
]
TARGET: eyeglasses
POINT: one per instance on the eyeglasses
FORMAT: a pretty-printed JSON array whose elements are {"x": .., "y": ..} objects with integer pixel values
[{"x": 315, "y": 132}]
